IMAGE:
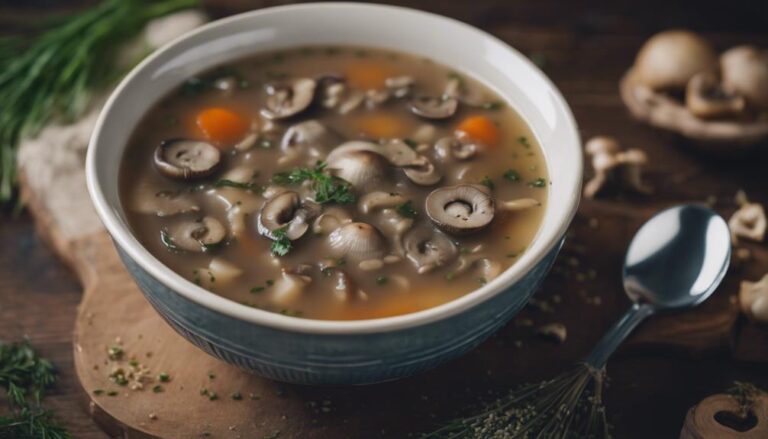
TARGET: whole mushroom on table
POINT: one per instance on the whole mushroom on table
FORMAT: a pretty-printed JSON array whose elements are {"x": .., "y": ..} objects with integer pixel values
[{"x": 679, "y": 83}]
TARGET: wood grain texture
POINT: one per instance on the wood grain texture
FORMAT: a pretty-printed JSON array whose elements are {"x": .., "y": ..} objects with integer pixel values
[{"x": 585, "y": 51}]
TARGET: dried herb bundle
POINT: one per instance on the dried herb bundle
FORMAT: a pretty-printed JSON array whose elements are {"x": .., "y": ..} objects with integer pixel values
[
  {"x": 54, "y": 73},
  {"x": 25, "y": 376},
  {"x": 569, "y": 406}
]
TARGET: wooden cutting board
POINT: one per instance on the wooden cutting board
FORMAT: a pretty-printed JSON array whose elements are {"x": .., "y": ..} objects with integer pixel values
[{"x": 583, "y": 292}]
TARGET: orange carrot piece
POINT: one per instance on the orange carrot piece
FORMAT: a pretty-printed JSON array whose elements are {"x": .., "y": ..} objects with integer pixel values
[
  {"x": 381, "y": 126},
  {"x": 480, "y": 128},
  {"x": 221, "y": 126},
  {"x": 367, "y": 75}
]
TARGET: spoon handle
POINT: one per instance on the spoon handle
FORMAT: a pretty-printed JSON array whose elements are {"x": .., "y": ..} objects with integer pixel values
[{"x": 613, "y": 338}]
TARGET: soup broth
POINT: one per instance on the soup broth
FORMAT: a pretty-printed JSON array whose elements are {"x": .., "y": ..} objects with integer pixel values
[{"x": 335, "y": 183}]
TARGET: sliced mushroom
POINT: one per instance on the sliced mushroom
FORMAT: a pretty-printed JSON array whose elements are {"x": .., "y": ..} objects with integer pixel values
[
  {"x": 288, "y": 99},
  {"x": 705, "y": 98},
  {"x": 489, "y": 269},
  {"x": 428, "y": 249},
  {"x": 360, "y": 168},
  {"x": 394, "y": 227},
  {"x": 422, "y": 172},
  {"x": 434, "y": 107},
  {"x": 358, "y": 242},
  {"x": 309, "y": 136},
  {"x": 286, "y": 210},
  {"x": 450, "y": 147},
  {"x": 196, "y": 235},
  {"x": 460, "y": 210},
  {"x": 668, "y": 60},
  {"x": 379, "y": 200},
  {"x": 184, "y": 159},
  {"x": 745, "y": 72}
]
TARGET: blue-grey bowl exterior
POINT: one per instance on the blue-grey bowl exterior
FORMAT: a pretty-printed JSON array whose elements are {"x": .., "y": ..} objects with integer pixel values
[{"x": 329, "y": 359}]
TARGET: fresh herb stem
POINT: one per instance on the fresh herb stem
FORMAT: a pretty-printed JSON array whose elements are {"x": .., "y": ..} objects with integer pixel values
[
  {"x": 328, "y": 188},
  {"x": 54, "y": 74}
]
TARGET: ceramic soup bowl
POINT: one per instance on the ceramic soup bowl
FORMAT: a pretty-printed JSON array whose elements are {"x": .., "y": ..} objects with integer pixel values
[{"x": 310, "y": 351}]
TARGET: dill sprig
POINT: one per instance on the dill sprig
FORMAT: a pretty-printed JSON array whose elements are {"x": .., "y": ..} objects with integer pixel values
[
  {"x": 54, "y": 74},
  {"x": 567, "y": 407},
  {"x": 25, "y": 376},
  {"x": 328, "y": 188}
]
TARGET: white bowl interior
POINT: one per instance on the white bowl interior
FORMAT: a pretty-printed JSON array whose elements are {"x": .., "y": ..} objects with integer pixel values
[{"x": 444, "y": 40}]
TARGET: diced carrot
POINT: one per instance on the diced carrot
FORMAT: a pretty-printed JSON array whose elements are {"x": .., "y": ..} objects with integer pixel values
[
  {"x": 367, "y": 74},
  {"x": 480, "y": 128},
  {"x": 221, "y": 126},
  {"x": 381, "y": 126}
]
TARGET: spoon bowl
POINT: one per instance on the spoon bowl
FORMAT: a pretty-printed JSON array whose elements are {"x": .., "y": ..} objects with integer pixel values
[{"x": 678, "y": 258}]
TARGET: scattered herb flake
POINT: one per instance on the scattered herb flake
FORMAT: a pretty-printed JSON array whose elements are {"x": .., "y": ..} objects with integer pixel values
[
  {"x": 281, "y": 245},
  {"x": 487, "y": 182},
  {"x": 258, "y": 289},
  {"x": 249, "y": 186},
  {"x": 381, "y": 280},
  {"x": 492, "y": 106},
  {"x": 538, "y": 183},
  {"x": 115, "y": 352},
  {"x": 511, "y": 175},
  {"x": 237, "y": 396},
  {"x": 98, "y": 392},
  {"x": 406, "y": 210},
  {"x": 157, "y": 389},
  {"x": 113, "y": 393},
  {"x": 165, "y": 238},
  {"x": 523, "y": 140},
  {"x": 410, "y": 142},
  {"x": 163, "y": 377}
]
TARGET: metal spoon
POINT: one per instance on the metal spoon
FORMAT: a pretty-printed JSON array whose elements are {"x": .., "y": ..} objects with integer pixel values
[{"x": 676, "y": 260}]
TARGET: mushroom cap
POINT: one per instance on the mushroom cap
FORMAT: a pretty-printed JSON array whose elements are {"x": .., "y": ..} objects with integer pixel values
[
  {"x": 450, "y": 147},
  {"x": 288, "y": 99},
  {"x": 706, "y": 99},
  {"x": 286, "y": 210},
  {"x": 183, "y": 159},
  {"x": 602, "y": 144},
  {"x": 422, "y": 172},
  {"x": 428, "y": 249},
  {"x": 434, "y": 107},
  {"x": 357, "y": 241},
  {"x": 460, "y": 210},
  {"x": 310, "y": 136},
  {"x": 669, "y": 59},
  {"x": 360, "y": 168},
  {"x": 197, "y": 235},
  {"x": 745, "y": 72},
  {"x": 379, "y": 200}
]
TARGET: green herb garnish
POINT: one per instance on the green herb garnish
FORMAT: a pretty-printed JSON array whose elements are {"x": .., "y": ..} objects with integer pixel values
[
  {"x": 237, "y": 396},
  {"x": 538, "y": 183},
  {"x": 511, "y": 175},
  {"x": 406, "y": 210},
  {"x": 381, "y": 280},
  {"x": 487, "y": 182},
  {"x": 411, "y": 143},
  {"x": 54, "y": 73},
  {"x": 328, "y": 188},
  {"x": 281, "y": 245},
  {"x": 163, "y": 377},
  {"x": 167, "y": 240},
  {"x": 157, "y": 389},
  {"x": 115, "y": 352},
  {"x": 523, "y": 141},
  {"x": 258, "y": 289}
]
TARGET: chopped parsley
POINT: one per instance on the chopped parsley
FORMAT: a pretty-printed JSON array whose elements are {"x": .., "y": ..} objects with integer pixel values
[
  {"x": 487, "y": 182},
  {"x": 539, "y": 183},
  {"x": 281, "y": 244},
  {"x": 406, "y": 210},
  {"x": 237, "y": 396},
  {"x": 381, "y": 280},
  {"x": 523, "y": 141},
  {"x": 167, "y": 240},
  {"x": 493, "y": 106},
  {"x": 511, "y": 175},
  {"x": 328, "y": 188},
  {"x": 258, "y": 289},
  {"x": 163, "y": 377},
  {"x": 157, "y": 389},
  {"x": 410, "y": 142}
]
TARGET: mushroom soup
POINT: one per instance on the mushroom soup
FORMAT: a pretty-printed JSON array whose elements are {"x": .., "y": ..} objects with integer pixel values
[{"x": 335, "y": 183}]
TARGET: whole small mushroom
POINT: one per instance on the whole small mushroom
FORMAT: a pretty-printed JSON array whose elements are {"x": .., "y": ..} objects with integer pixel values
[
  {"x": 668, "y": 60},
  {"x": 434, "y": 107},
  {"x": 753, "y": 299},
  {"x": 194, "y": 235},
  {"x": 745, "y": 72},
  {"x": 748, "y": 222},
  {"x": 286, "y": 211},
  {"x": 357, "y": 241},
  {"x": 706, "y": 98},
  {"x": 428, "y": 249}
]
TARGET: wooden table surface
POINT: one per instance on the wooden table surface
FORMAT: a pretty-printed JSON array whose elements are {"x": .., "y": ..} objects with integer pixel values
[{"x": 585, "y": 50}]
